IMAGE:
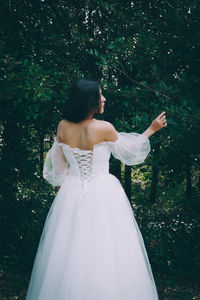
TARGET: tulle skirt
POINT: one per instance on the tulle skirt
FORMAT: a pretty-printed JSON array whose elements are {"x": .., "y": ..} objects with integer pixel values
[{"x": 91, "y": 247}]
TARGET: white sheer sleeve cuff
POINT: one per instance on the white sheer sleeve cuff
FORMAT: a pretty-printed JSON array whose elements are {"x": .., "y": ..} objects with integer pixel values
[{"x": 130, "y": 148}]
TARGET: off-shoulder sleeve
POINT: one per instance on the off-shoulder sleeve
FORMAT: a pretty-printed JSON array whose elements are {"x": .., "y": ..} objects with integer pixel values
[
  {"x": 56, "y": 167},
  {"x": 130, "y": 148}
]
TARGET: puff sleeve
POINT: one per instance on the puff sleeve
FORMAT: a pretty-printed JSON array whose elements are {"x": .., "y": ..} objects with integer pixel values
[
  {"x": 130, "y": 148},
  {"x": 56, "y": 167}
]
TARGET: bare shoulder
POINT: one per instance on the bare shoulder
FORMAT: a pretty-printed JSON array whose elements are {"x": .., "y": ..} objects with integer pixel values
[
  {"x": 63, "y": 123},
  {"x": 108, "y": 130},
  {"x": 61, "y": 126}
]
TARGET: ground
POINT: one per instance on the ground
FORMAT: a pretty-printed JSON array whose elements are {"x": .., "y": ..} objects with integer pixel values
[{"x": 13, "y": 287}]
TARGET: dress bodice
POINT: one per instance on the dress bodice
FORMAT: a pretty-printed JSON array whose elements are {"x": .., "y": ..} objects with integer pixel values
[
  {"x": 63, "y": 160},
  {"x": 87, "y": 164}
]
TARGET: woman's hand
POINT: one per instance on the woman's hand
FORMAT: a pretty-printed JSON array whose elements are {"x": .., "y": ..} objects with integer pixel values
[
  {"x": 159, "y": 122},
  {"x": 156, "y": 125}
]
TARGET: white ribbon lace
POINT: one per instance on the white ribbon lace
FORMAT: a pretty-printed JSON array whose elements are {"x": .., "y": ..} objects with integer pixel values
[{"x": 84, "y": 162}]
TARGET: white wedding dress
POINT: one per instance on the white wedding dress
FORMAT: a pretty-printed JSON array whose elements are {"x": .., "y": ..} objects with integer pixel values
[{"x": 91, "y": 247}]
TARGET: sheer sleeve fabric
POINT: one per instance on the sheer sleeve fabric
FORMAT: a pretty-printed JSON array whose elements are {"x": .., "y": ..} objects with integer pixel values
[
  {"x": 56, "y": 167},
  {"x": 130, "y": 148}
]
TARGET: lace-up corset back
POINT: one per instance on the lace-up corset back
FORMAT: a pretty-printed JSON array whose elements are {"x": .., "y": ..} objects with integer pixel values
[
  {"x": 84, "y": 161},
  {"x": 87, "y": 164}
]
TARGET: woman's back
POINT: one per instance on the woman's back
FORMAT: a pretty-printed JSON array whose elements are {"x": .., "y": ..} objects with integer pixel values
[{"x": 84, "y": 135}]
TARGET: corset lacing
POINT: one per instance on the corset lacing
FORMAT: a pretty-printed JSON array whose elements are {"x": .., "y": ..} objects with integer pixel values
[{"x": 84, "y": 161}]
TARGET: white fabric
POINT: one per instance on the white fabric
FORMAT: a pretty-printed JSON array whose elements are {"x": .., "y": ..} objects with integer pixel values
[
  {"x": 131, "y": 148},
  {"x": 56, "y": 167},
  {"x": 91, "y": 247}
]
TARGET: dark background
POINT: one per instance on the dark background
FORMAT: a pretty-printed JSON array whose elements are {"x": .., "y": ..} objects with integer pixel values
[{"x": 146, "y": 56}]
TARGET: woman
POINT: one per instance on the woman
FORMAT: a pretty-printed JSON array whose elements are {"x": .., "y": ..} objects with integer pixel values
[{"x": 91, "y": 247}]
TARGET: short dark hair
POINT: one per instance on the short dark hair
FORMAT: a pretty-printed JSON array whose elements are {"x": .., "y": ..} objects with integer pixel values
[{"x": 83, "y": 100}]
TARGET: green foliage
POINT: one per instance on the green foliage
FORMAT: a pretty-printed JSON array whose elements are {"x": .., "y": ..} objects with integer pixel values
[
  {"x": 171, "y": 241},
  {"x": 146, "y": 55}
]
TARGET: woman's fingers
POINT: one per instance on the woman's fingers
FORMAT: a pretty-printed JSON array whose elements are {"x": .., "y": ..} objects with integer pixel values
[
  {"x": 164, "y": 123},
  {"x": 162, "y": 119},
  {"x": 159, "y": 122},
  {"x": 161, "y": 115}
]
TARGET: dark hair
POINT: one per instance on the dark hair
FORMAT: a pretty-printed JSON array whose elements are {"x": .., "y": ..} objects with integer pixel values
[{"x": 83, "y": 100}]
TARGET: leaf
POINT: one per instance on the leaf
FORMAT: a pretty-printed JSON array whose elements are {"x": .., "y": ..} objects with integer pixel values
[
  {"x": 103, "y": 60},
  {"x": 98, "y": 63},
  {"x": 25, "y": 62},
  {"x": 91, "y": 51},
  {"x": 96, "y": 52}
]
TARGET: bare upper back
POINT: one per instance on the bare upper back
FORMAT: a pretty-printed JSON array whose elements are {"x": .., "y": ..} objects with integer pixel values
[{"x": 85, "y": 134}]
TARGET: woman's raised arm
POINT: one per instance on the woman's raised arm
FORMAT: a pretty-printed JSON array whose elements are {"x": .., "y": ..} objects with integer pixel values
[{"x": 157, "y": 124}]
